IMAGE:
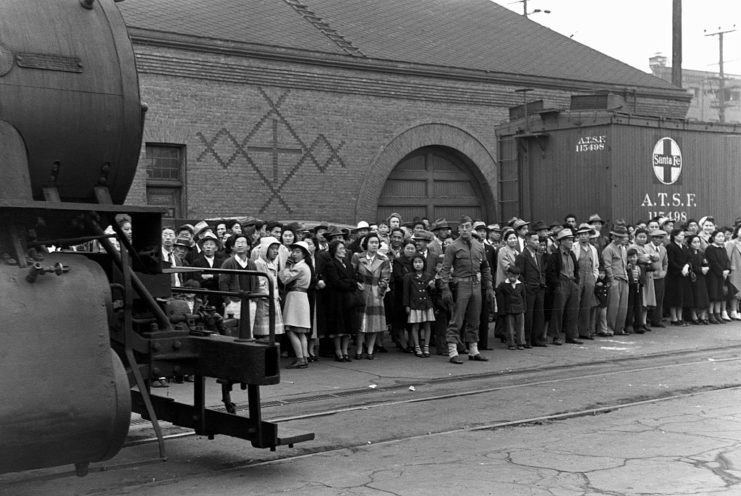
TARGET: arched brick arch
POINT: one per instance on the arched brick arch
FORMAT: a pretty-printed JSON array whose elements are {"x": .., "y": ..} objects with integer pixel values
[{"x": 483, "y": 163}]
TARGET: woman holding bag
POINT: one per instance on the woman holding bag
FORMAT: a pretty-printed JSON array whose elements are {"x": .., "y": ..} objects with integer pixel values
[{"x": 373, "y": 271}]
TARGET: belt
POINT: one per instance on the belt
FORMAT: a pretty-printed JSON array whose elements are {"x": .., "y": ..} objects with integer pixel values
[
  {"x": 298, "y": 290},
  {"x": 473, "y": 279}
]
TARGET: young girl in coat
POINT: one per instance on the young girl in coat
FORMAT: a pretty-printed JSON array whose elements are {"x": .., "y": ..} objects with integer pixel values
[{"x": 418, "y": 303}]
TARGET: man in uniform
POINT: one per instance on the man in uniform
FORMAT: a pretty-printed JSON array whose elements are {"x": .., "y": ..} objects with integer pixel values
[{"x": 467, "y": 260}]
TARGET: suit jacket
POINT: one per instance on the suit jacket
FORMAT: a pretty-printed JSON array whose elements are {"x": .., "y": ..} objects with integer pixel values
[
  {"x": 553, "y": 269},
  {"x": 490, "y": 253},
  {"x": 435, "y": 247},
  {"x": 532, "y": 274},
  {"x": 200, "y": 261},
  {"x": 430, "y": 263}
]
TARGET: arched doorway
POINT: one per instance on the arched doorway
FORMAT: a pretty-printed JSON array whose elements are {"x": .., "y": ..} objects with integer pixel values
[{"x": 433, "y": 182}]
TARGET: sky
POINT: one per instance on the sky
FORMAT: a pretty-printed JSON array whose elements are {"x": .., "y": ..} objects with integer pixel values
[{"x": 634, "y": 30}]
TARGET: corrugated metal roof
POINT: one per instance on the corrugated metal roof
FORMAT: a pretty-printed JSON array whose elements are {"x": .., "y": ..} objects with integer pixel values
[{"x": 468, "y": 34}]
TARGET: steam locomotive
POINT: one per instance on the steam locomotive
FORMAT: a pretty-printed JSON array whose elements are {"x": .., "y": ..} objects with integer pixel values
[{"x": 84, "y": 332}]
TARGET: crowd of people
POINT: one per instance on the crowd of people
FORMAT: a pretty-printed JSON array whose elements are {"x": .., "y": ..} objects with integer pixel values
[{"x": 425, "y": 286}]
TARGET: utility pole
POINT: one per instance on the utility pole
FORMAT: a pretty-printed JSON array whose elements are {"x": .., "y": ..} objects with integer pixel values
[
  {"x": 677, "y": 43},
  {"x": 721, "y": 77}
]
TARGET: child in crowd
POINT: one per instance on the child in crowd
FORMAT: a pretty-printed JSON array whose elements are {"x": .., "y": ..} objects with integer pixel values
[
  {"x": 636, "y": 276},
  {"x": 511, "y": 294},
  {"x": 417, "y": 301},
  {"x": 602, "y": 292}
]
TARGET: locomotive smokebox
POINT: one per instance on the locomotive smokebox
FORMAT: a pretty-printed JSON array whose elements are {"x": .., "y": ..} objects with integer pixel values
[
  {"x": 67, "y": 397},
  {"x": 69, "y": 90}
]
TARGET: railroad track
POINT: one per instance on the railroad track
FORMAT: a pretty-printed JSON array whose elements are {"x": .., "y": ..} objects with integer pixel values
[{"x": 444, "y": 390}]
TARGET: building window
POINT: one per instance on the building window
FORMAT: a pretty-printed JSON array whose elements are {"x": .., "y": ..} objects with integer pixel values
[{"x": 166, "y": 177}]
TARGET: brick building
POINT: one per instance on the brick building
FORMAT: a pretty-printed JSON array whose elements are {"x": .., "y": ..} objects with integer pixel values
[{"x": 348, "y": 109}]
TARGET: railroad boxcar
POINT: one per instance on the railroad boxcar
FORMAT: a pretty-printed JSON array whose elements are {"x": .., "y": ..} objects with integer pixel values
[{"x": 598, "y": 157}]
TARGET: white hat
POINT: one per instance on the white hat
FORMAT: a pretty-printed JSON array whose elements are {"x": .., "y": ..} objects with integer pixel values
[{"x": 363, "y": 225}]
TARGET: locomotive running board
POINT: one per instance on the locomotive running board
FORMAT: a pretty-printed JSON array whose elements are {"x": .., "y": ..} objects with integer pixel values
[{"x": 207, "y": 422}]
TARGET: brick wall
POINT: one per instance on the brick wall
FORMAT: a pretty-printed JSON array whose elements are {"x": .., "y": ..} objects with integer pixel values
[{"x": 280, "y": 140}]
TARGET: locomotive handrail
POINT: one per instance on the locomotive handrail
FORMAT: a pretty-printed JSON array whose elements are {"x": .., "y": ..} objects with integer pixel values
[{"x": 245, "y": 331}]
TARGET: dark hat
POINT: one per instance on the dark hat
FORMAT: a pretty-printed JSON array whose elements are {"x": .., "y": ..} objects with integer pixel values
[
  {"x": 564, "y": 233},
  {"x": 620, "y": 231},
  {"x": 294, "y": 226},
  {"x": 248, "y": 221},
  {"x": 553, "y": 224},
  {"x": 464, "y": 219},
  {"x": 423, "y": 236},
  {"x": 184, "y": 242},
  {"x": 440, "y": 224},
  {"x": 322, "y": 225},
  {"x": 333, "y": 231},
  {"x": 595, "y": 218},
  {"x": 273, "y": 224},
  {"x": 538, "y": 226}
]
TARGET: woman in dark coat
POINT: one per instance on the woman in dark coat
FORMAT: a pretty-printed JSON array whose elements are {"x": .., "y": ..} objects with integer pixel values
[
  {"x": 720, "y": 267},
  {"x": 401, "y": 266},
  {"x": 678, "y": 289},
  {"x": 339, "y": 313},
  {"x": 699, "y": 289}
]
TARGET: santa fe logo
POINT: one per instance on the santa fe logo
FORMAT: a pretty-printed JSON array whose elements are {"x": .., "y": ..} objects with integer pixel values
[{"x": 667, "y": 161}]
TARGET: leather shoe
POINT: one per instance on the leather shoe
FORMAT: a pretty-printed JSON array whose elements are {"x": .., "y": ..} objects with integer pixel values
[
  {"x": 574, "y": 341},
  {"x": 540, "y": 344},
  {"x": 590, "y": 338},
  {"x": 556, "y": 342},
  {"x": 658, "y": 324},
  {"x": 478, "y": 358},
  {"x": 456, "y": 360}
]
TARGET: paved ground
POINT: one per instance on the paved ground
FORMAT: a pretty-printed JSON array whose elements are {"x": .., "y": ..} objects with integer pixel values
[{"x": 686, "y": 445}]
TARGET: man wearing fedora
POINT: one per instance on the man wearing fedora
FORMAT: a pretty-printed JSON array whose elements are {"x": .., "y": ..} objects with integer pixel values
[
  {"x": 615, "y": 259},
  {"x": 442, "y": 231},
  {"x": 465, "y": 265},
  {"x": 422, "y": 240},
  {"x": 588, "y": 261},
  {"x": 521, "y": 228},
  {"x": 600, "y": 241},
  {"x": 562, "y": 275},
  {"x": 532, "y": 269}
]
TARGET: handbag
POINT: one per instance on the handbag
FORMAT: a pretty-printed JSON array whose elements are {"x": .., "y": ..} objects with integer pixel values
[{"x": 356, "y": 299}]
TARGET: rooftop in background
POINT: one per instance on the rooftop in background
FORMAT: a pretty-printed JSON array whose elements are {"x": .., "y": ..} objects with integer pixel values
[
  {"x": 475, "y": 35},
  {"x": 704, "y": 86}
]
